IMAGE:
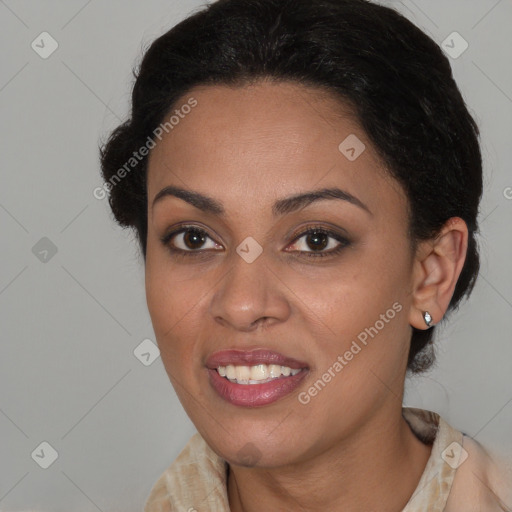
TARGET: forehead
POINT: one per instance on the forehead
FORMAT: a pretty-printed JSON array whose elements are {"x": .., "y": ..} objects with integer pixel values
[{"x": 268, "y": 140}]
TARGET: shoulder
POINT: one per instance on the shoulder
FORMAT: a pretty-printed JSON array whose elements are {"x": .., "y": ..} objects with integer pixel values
[
  {"x": 197, "y": 472},
  {"x": 461, "y": 475},
  {"x": 482, "y": 481}
]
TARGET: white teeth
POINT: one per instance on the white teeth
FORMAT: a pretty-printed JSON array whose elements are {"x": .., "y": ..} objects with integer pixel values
[
  {"x": 285, "y": 370},
  {"x": 243, "y": 373},
  {"x": 275, "y": 370},
  {"x": 230, "y": 372},
  {"x": 257, "y": 374}
]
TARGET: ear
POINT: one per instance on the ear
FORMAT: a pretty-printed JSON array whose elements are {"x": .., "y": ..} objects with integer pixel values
[{"x": 436, "y": 269}]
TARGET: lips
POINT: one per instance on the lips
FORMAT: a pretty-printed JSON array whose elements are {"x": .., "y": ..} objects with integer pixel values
[
  {"x": 254, "y": 394},
  {"x": 252, "y": 358}
]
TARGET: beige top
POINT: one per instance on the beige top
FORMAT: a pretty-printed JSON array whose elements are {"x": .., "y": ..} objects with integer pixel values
[{"x": 459, "y": 476}]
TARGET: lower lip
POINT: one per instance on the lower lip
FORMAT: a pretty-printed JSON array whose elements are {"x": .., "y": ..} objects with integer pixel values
[{"x": 254, "y": 395}]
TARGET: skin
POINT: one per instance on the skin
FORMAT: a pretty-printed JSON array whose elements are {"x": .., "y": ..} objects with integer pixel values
[{"x": 348, "y": 448}]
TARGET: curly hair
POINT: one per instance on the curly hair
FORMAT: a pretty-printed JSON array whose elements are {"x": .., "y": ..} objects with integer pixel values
[{"x": 396, "y": 78}]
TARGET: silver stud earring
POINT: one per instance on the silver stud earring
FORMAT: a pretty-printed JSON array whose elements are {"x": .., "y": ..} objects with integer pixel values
[{"x": 428, "y": 318}]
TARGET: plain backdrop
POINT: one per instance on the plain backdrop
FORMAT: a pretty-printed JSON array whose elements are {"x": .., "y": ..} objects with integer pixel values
[{"x": 72, "y": 303}]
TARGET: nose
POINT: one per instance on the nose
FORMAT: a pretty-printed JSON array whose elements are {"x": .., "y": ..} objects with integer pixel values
[{"x": 250, "y": 294}]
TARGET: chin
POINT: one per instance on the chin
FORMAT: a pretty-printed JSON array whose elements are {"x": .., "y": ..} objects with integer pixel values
[{"x": 251, "y": 449}]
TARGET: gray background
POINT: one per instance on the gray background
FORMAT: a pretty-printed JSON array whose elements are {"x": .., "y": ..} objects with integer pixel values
[{"x": 71, "y": 322}]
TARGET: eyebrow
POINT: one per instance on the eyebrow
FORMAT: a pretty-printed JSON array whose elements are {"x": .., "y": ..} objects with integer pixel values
[{"x": 280, "y": 207}]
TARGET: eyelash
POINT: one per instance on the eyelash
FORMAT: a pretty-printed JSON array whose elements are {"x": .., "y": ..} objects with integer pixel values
[{"x": 310, "y": 230}]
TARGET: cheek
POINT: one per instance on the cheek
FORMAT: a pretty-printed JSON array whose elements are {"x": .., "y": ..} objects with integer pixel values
[
  {"x": 358, "y": 310},
  {"x": 341, "y": 316},
  {"x": 172, "y": 318},
  {"x": 172, "y": 304},
  {"x": 366, "y": 283}
]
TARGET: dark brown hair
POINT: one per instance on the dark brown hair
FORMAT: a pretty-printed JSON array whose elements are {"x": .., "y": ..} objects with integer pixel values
[{"x": 395, "y": 77}]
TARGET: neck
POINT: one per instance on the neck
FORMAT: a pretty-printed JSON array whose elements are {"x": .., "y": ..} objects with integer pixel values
[{"x": 376, "y": 469}]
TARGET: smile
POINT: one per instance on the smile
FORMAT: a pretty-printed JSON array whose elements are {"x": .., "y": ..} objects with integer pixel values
[
  {"x": 258, "y": 374},
  {"x": 254, "y": 378}
]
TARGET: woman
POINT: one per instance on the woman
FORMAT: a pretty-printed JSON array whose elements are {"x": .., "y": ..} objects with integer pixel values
[{"x": 304, "y": 180}]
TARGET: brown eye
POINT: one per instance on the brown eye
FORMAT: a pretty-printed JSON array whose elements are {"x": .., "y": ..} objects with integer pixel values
[
  {"x": 194, "y": 238},
  {"x": 188, "y": 239},
  {"x": 317, "y": 240}
]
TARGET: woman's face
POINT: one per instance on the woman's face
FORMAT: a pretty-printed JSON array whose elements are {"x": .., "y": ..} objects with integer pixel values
[{"x": 337, "y": 304}]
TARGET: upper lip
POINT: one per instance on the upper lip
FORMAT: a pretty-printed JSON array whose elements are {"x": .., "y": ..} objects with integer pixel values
[{"x": 252, "y": 358}]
